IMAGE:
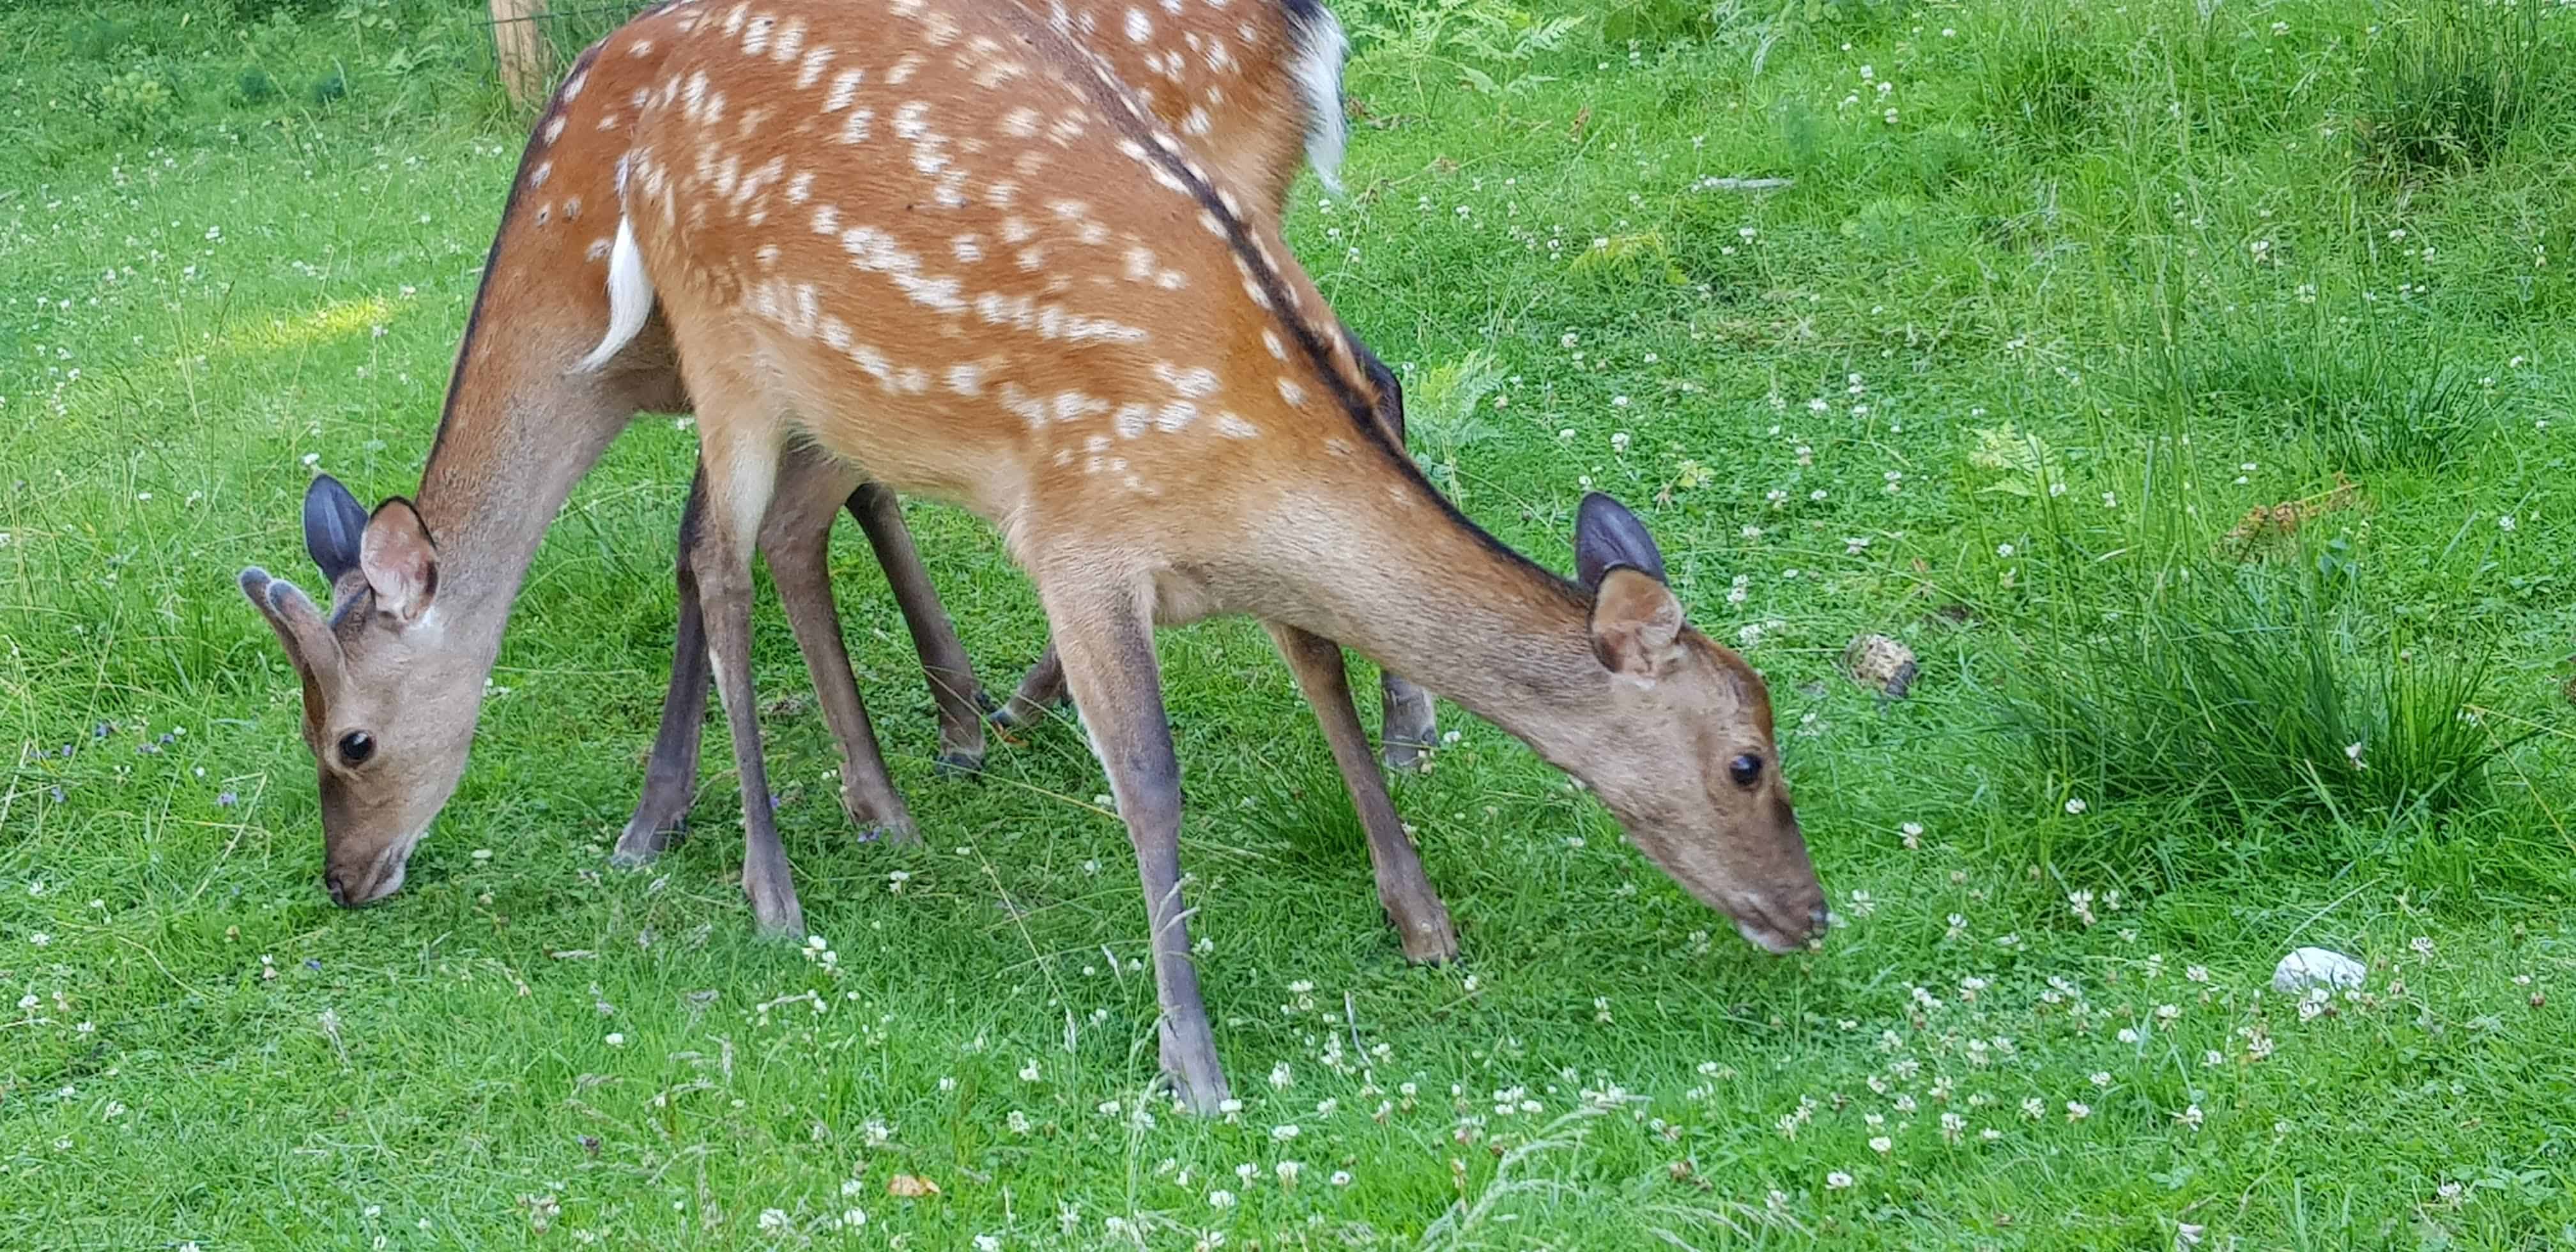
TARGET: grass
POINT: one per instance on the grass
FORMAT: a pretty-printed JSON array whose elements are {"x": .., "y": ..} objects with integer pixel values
[{"x": 2001, "y": 367}]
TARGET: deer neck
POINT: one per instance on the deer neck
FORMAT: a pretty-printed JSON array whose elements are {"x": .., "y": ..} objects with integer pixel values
[
  {"x": 520, "y": 430},
  {"x": 1426, "y": 595}
]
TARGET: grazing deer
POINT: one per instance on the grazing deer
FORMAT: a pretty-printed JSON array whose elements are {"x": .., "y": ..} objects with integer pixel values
[
  {"x": 945, "y": 243},
  {"x": 1284, "y": 111},
  {"x": 390, "y": 677}
]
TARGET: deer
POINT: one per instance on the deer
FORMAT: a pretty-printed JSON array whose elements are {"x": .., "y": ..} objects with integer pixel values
[
  {"x": 1284, "y": 113},
  {"x": 990, "y": 275},
  {"x": 413, "y": 616}
]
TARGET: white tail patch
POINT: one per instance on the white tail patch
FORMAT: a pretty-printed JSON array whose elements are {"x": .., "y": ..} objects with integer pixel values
[
  {"x": 630, "y": 297},
  {"x": 1317, "y": 67}
]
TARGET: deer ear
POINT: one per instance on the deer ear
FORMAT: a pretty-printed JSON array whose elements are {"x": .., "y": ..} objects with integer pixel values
[
  {"x": 1388, "y": 405},
  {"x": 1607, "y": 536},
  {"x": 399, "y": 560},
  {"x": 333, "y": 520},
  {"x": 1636, "y": 624},
  {"x": 299, "y": 626}
]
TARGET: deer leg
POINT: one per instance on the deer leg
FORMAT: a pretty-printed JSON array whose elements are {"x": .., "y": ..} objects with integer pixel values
[
  {"x": 1421, "y": 920},
  {"x": 953, "y": 689},
  {"x": 795, "y": 538},
  {"x": 1041, "y": 689},
  {"x": 1105, "y": 635},
  {"x": 671, "y": 774},
  {"x": 1407, "y": 721},
  {"x": 741, "y": 474}
]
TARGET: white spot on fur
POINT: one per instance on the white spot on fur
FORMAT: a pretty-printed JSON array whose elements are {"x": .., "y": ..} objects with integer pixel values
[
  {"x": 1139, "y": 27},
  {"x": 1074, "y": 405},
  {"x": 1233, "y": 427},
  {"x": 800, "y": 188},
  {"x": 856, "y": 128},
  {"x": 1132, "y": 420},
  {"x": 967, "y": 249},
  {"x": 555, "y": 128},
  {"x": 876, "y": 251},
  {"x": 812, "y": 70},
  {"x": 827, "y": 219},
  {"x": 1292, "y": 393},
  {"x": 537, "y": 177},
  {"x": 845, "y": 88},
  {"x": 966, "y": 379},
  {"x": 1197, "y": 382},
  {"x": 1270, "y": 340}
]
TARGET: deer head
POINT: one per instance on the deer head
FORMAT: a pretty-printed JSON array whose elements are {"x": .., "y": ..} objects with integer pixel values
[
  {"x": 1685, "y": 756},
  {"x": 389, "y": 712}
]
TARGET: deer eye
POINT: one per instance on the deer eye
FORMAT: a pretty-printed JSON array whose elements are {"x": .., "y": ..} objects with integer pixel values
[
  {"x": 1746, "y": 770},
  {"x": 356, "y": 747}
]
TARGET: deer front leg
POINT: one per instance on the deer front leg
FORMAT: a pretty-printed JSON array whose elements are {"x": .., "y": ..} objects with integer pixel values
[
  {"x": 953, "y": 689},
  {"x": 671, "y": 774},
  {"x": 1104, "y": 633},
  {"x": 1040, "y": 690},
  {"x": 1421, "y": 920},
  {"x": 741, "y": 473},
  {"x": 795, "y": 538}
]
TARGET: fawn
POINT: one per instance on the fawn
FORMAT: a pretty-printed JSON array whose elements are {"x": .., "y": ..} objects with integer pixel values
[{"x": 985, "y": 272}]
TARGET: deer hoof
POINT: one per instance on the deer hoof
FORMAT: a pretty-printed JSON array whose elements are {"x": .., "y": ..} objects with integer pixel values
[
  {"x": 1429, "y": 940},
  {"x": 958, "y": 764}
]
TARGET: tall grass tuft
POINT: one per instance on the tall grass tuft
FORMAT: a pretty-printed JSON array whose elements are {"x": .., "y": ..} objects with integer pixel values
[
  {"x": 2448, "y": 91},
  {"x": 2358, "y": 400},
  {"x": 2250, "y": 690},
  {"x": 2042, "y": 85}
]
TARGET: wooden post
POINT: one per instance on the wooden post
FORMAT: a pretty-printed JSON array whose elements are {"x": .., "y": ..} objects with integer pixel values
[{"x": 517, "y": 45}]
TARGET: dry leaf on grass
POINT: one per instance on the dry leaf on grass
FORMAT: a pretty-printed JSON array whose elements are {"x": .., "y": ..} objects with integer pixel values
[{"x": 910, "y": 1187}]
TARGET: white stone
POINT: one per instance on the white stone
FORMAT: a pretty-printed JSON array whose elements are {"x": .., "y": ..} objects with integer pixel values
[{"x": 2315, "y": 967}]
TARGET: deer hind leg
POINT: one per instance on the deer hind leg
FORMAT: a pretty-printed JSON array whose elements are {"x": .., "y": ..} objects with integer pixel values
[
  {"x": 959, "y": 698},
  {"x": 1421, "y": 920},
  {"x": 671, "y": 773},
  {"x": 795, "y": 539},
  {"x": 741, "y": 459},
  {"x": 1104, "y": 631},
  {"x": 1040, "y": 690},
  {"x": 1407, "y": 721}
]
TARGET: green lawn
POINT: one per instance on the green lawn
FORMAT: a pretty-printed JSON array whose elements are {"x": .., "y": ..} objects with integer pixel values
[{"x": 2059, "y": 294}]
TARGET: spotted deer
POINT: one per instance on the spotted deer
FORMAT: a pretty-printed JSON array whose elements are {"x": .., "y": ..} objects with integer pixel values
[
  {"x": 1266, "y": 105},
  {"x": 389, "y": 675},
  {"x": 945, "y": 243}
]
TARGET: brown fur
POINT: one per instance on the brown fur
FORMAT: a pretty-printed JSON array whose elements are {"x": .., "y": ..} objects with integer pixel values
[{"x": 840, "y": 318}]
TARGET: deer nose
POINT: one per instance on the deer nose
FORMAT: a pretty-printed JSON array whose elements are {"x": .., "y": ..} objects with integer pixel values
[
  {"x": 1818, "y": 919},
  {"x": 339, "y": 890}
]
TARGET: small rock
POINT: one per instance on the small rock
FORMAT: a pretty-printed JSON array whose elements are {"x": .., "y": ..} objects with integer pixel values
[
  {"x": 2315, "y": 967},
  {"x": 1882, "y": 663}
]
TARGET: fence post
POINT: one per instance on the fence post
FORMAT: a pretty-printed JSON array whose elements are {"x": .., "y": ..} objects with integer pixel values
[{"x": 519, "y": 47}]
